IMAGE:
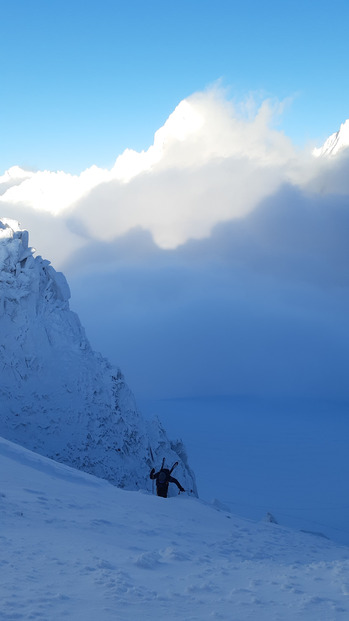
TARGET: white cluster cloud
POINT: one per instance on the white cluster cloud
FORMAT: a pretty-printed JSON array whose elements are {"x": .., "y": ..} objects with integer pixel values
[
  {"x": 48, "y": 191},
  {"x": 209, "y": 163}
]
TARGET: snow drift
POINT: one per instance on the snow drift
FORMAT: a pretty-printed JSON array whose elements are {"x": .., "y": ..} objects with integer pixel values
[
  {"x": 75, "y": 548},
  {"x": 57, "y": 396}
]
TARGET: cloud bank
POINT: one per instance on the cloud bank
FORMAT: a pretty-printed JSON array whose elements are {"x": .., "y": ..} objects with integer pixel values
[
  {"x": 215, "y": 262},
  {"x": 208, "y": 163}
]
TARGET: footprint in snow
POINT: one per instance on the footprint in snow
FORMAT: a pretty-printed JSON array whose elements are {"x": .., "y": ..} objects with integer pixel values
[
  {"x": 170, "y": 554},
  {"x": 148, "y": 560}
]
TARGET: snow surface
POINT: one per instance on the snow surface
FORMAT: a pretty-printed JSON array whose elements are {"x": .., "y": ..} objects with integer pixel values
[
  {"x": 59, "y": 397},
  {"x": 335, "y": 143},
  {"x": 75, "y": 547}
]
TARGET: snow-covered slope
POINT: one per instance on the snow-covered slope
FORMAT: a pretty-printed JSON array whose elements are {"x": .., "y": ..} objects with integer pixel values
[
  {"x": 74, "y": 547},
  {"x": 57, "y": 396},
  {"x": 335, "y": 143}
]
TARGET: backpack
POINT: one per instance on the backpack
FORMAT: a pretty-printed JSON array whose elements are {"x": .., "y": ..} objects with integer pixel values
[{"x": 163, "y": 477}]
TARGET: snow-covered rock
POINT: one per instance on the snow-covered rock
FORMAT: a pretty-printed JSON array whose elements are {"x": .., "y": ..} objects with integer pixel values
[
  {"x": 57, "y": 396},
  {"x": 335, "y": 143}
]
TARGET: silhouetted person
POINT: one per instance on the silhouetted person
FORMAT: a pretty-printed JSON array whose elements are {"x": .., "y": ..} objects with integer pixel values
[{"x": 163, "y": 478}]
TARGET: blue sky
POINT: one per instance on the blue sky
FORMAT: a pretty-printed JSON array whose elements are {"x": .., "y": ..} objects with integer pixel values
[{"x": 81, "y": 81}]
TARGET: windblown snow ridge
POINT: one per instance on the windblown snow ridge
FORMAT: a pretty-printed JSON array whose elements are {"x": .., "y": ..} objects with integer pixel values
[
  {"x": 334, "y": 143},
  {"x": 57, "y": 396}
]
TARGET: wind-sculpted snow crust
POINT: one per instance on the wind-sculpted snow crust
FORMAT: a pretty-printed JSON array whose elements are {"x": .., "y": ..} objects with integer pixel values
[{"x": 57, "y": 396}]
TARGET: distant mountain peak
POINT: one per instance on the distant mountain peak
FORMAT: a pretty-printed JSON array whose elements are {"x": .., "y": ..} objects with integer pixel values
[{"x": 335, "y": 143}]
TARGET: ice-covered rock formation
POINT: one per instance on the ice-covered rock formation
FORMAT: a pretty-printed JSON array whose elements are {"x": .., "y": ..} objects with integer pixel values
[
  {"x": 57, "y": 396},
  {"x": 335, "y": 143}
]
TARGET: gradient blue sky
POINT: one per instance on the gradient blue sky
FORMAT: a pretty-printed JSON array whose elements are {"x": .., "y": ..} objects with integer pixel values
[{"x": 82, "y": 80}]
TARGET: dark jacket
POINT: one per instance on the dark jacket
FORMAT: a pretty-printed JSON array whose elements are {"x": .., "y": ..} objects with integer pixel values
[{"x": 163, "y": 478}]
